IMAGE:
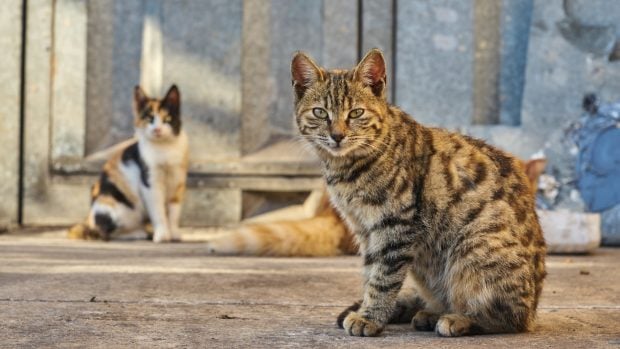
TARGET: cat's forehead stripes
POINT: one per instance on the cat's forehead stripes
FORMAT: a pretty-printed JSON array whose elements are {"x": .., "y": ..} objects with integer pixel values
[{"x": 337, "y": 96}]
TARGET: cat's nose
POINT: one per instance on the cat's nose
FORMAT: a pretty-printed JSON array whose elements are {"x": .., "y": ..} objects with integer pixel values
[
  {"x": 157, "y": 131},
  {"x": 337, "y": 137}
]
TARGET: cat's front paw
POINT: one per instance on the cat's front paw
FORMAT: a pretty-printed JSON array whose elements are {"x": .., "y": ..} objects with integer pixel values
[
  {"x": 161, "y": 235},
  {"x": 352, "y": 308},
  {"x": 357, "y": 325}
]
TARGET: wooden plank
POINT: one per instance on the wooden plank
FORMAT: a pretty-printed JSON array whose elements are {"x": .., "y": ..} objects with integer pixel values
[
  {"x": 10, "y": 74},
  {"x": 36, "y": 108},
  {"x": 69, "y": 78}
]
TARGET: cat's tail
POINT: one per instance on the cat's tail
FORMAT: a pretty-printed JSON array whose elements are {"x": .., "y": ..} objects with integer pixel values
[
  {"x": 324, "y": 235},
  {"x": 82, "y": 231},
  {"x": 99, "y": 227}
]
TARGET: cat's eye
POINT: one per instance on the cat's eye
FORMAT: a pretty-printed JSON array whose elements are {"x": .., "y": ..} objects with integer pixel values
[
  {"x": 167, "y": 119},
  {"x": 149, "y": 117},
  {"x": 320, "y": 113},
  {"x": 356, "y": 113}
]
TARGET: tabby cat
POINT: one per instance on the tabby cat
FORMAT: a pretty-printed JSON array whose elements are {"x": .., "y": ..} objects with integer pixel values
[
  {"x": 144, "y": 181},
  {"x": 323, "y": 234},
  {"x": 451, "y": 212}
]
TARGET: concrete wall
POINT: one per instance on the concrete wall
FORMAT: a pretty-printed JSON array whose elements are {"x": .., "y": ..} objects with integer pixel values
[
  {"x": 10, "y": 75},
  {"x": 511, "y": 71}
]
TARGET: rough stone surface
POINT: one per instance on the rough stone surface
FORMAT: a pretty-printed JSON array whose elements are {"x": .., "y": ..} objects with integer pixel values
[
  {"x": 295, "y": 25},
  {"x": 113, "y": 69},
  {"x": 202, "y": 54},
  {"x": 610, "y": 226},
  {"x": 594, "y": 12},
  {"x": 10, "y": 45},
  {"x": 256, "y": 72},
  {"x": 434, "y": 61},
  {"x": 516, "y": 18},
  {"x": 378, "y": 32},
  {"x": 69, "y": 79},
  {"x": 558, "y": 75},
  {"x": 340, "y": 29},
  {"x": 59, "y": 293},
  {"x": 36, "y": 108}
]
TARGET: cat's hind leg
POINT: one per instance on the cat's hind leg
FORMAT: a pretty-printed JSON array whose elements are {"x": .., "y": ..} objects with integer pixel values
[
  {"x": 407, "y": 306},
  {"x": 456, "y": 325},
  {"x": 425, "y": 320},
  {"x": 112, "y": 220}
]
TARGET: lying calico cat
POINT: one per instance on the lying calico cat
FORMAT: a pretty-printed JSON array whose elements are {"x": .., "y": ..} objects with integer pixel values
[
  {"x": 324, "y": 234},
  {"x": 144, "y": 181},
  {"x": 452, "y": 213}
]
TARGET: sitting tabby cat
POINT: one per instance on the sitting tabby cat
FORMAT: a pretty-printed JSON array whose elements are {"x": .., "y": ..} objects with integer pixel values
[
  {"x": 451, "y": 212},
  {"x": 145, "y": 180}
]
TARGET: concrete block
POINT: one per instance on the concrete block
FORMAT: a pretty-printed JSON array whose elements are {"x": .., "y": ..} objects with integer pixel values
[
  {"x": 211, "y": 207},
  {"x": 569, "y": 231}
]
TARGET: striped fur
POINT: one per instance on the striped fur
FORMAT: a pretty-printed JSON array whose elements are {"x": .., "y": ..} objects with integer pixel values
[
  {"x": 452, "y": 213},
  {"x": 144, "y": 180}
]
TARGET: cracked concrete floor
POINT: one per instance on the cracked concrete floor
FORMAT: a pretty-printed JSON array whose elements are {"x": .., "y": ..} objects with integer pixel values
[{"x": 60, "y": 293}]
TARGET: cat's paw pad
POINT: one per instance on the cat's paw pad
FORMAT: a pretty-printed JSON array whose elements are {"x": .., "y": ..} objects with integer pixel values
[
  {"x": 453, "y": 325},
  {"x": 424, "y": 321},
  {"x": 346, "y": 312},
  {"x": 357, "y": 325}
]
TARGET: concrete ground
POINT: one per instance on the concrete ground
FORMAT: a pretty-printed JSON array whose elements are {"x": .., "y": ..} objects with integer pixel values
[{"x": 60, "y": 293}]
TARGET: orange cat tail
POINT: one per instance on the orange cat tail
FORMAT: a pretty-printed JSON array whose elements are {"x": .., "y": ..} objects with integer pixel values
[
  {"x": 82, "y": 231},
  {"x": 321, "y": 236}
]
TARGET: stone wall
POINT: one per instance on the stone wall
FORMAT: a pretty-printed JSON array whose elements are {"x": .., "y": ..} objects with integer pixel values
[
  {"x": 10, "y": 75},
  {"x": 510, "y": 71}
]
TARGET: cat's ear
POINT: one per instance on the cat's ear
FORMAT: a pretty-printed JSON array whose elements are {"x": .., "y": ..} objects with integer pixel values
[
  {"x": 533, "y": 169},
  {"x": 172, "y": 100},
  {"x": 139, "y": 99},
  {"x": 304, "y": 73},
  {"x": 371, "y": 72}
]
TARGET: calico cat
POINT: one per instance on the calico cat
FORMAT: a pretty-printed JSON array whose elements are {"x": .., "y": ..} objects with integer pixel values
[
  {"x": 144, "y": 181},
  {"x": 324, "y": 234},
  {"x": 451, "y": 212}
]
